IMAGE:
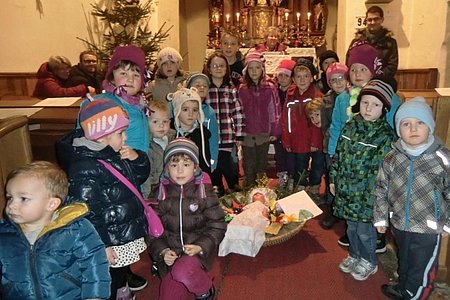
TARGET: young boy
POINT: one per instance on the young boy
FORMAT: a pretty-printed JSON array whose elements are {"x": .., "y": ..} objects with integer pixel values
[
  {"x": 201, "y": 82},
  {"x": 285, "y": 161},
  {"x": 160, "y": 135},
  {"x": 194, "y": 225},
  {"x": 413, "y": 196},
  {"x": 295, "y": 127},
  {"x": 188, "y": 122},
  {"x": 229, "y": 43},
  {"x": 47, "y": 250},
  {"x": 114, "y": 210}
]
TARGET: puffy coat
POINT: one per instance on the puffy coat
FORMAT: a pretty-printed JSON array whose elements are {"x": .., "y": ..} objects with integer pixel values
[
  {"x": 67, "y": 261},
  {"x": 361, "y": 148},
  {"x": 115, "y": 211},
  {"x": 295, "y": 127},
  {"x": 202, "y": 222},
  {"x": 414, "y": 192},
  {"x": 48, "y": 85},
  {"x": 78, "y": 75}
]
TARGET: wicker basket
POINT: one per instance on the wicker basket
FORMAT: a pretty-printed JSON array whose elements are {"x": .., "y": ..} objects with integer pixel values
[{"x": 285, "y": 233}]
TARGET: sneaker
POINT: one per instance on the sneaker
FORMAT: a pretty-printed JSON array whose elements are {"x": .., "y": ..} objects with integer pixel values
[
  {"x": 348, "y": 264},
  {"x": 390, "y": 292},
  {"x": 136, "y": 282},
  {"x": 381, "y": 243},
  {"x": 363, "y": 270},
  {"x": 344, "y": 241},
  {"x": 209, "y": 295}
]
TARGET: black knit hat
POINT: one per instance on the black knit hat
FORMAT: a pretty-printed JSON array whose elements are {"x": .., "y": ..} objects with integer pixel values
[
  {"x": 306, "y": 63},
  {"x": 325, "y": 55}
]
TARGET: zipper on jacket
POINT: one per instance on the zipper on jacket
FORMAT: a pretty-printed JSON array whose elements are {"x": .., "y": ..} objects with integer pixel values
[
  {"x": 181, "y": 216},
  {"x": 408, "y": 194},
  {"x": 36, "y": 284}
]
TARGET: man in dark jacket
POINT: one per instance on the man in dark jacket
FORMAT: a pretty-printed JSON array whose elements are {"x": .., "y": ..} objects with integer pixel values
[
  {"x": 86, "y": 72},
  {"x": 381, "y": 39}
]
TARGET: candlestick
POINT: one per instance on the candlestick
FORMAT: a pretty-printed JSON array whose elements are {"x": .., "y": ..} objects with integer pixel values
[
  {"x": 286, "y": 16},
  {"x": 227, "y": 16},
  {"x": 298, "y": 16}
]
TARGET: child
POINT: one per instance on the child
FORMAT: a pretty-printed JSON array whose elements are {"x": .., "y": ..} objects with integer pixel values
[
  {"x": 364, "y": 142},
  {"x": 224, "y": 100},
  {"x": 193, "y": 222},
  {"x": 124, "y": 84},
  {"x": 160, "y": 135},
  {"x": 229, "y": 43},
  {"x": 188, "y": 122},
  {"x": 115, "y": 211},
  {"x": 327, "y": 58},
  {"x": 413, "y": 195},
  {"x": 295, "y": 127},
  {"x": 47, "y": 250},
  {"x": 285, "y": 161},
  {"x": 168, "y": 74},
  {"x": 259, "y": 98},
  {"x": 337, "y": 77},
  {"x": 313, "y": 110},
  {"x": 201, "y": 82}
]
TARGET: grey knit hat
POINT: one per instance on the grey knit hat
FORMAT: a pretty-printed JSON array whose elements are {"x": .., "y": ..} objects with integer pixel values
[{"x": 181, "y": 146}]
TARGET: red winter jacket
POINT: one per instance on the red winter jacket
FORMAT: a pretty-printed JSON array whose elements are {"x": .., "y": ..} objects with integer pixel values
[
  {"x": 296, "y": 130},
  {"x": 48, "y": 86}
]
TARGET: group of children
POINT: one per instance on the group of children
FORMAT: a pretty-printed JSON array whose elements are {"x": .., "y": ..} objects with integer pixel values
[{"x": 177, "y": 147}]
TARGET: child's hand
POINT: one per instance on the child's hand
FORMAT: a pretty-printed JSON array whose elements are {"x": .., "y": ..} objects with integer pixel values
[
  {"x": 192, "y": 250},
  {"x": 381, "y": 229},
  {"x": 170, "y": 257},
  {"x": 288, "y": 149},
  {"x": 126, "y": 152},
  {"x": 112, "y": 255},
  {"x": 272, "y": 138},
  {"x": 332, "y": 189},
  {"x": 314, "y": 149}
]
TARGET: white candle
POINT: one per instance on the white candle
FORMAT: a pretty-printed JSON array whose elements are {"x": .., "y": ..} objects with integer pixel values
[
  {"x": 216, "y": 17},
  {"x": 298, "y": 16},
  {"x": 237, "y": 16},
  {"x": 309, "y": 15},
  {"x": 227, "y": 16},
  {"x": 286, "y": 16}
]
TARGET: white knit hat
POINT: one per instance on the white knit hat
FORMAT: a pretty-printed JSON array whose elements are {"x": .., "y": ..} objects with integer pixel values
[{"x": 168, "y": 54}]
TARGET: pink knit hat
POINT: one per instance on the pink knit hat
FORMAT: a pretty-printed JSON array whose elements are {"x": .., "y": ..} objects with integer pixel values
[
  {"x": 286, "y": 66},
  {"x": 362, "y": 52},
  {"x": 129, "y": 53},
  {"x": 336, "y": 68},
  {"x": 255, "y": 56}
]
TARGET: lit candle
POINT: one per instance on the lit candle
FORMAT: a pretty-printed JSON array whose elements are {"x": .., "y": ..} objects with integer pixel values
[
  {"x": 227, "y": 16},
  {"x": 309, "y": 15},
  {"x": 298, "y": 16},
  {"x": 237, "y": 16},
  {"x": 216, "y": 17},
  {"x": 286, "y": 16}
]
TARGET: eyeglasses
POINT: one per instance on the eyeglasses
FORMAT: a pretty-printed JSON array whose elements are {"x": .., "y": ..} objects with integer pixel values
[
  {"x": 337, "y": 79},
  {"x": 215, "y": 66}
]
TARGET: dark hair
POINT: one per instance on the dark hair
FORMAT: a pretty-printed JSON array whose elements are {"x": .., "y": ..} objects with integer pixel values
[
  {"x": 90, "y": 52},
  {"x": 207, "y": 66},
  {"x": 123, "y": 64},
  {"x": 375, "y": 10}
]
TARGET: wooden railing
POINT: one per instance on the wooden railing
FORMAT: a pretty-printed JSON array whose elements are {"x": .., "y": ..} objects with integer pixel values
[{"x": 17, "y": 85}]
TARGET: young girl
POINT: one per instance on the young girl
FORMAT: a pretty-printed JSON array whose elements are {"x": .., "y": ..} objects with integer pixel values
[
  {"x": 193, "y": 222},
  {"x": 168, "y": 74},
  {"x": 364, "y": 142},
  {"x": 115, "y": 211},
  {"x": 188, "y": 122},
  {"x": 230, "y": 117},
  {"x": 259, "y": 98},
  {"x": 124, "y": 84}
]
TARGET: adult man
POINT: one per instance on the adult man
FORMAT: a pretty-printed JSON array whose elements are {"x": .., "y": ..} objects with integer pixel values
[
  {"x": 381, "y": 39},
  {"x": 86, "y": 72}
]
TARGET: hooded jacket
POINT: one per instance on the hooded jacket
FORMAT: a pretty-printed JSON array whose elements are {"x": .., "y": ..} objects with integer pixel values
[
  {"x": 414, "y": 192},
  {"x": 48, "y": 85},
  {"x": 115, "y": 211},
  {"x": 202, "y": 223},
  {"x": 67, "y": 261}
]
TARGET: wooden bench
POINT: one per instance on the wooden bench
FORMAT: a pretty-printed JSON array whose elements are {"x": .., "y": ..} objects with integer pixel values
[
  {"x": 17, "y": 85},
  {"x": 417, "y": 79}
]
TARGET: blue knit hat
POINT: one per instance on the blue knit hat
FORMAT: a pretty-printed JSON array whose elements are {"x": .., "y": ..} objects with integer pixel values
[{"x": 415, "y": 108}]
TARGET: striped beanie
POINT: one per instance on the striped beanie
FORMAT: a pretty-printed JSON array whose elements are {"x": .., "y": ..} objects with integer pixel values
[
  {"x": 194, "y": 76},
  {"x": 181, "y": 146},
  {"x": 255, "y": 56},
  {"x": 380, "y": 89},
  {"x": 102, "y": 117}
]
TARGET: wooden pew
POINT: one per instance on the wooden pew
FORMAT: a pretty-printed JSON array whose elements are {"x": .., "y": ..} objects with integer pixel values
[{"x": 17, "y": 85}]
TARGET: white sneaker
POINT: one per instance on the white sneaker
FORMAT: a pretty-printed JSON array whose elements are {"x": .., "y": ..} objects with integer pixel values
[
  {"x": 363, "y": 270},
  {"x": 348, "y": 264}
]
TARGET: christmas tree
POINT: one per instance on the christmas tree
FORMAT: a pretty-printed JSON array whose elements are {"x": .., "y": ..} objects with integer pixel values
[{"x": 123, "y": 22}]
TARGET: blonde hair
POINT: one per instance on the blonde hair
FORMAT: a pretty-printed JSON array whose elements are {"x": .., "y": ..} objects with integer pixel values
[
  {"x": 53, "y": 178},
  {"x": 313, "y": 105},
  {"x": 272, "y": 30},
  {"x": 56, "y": 62}
]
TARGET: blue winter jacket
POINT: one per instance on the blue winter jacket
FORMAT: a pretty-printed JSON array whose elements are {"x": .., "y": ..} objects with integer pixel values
[
  {"x": 210, "y": 123},
  {"x": 67, "y": 261}
]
